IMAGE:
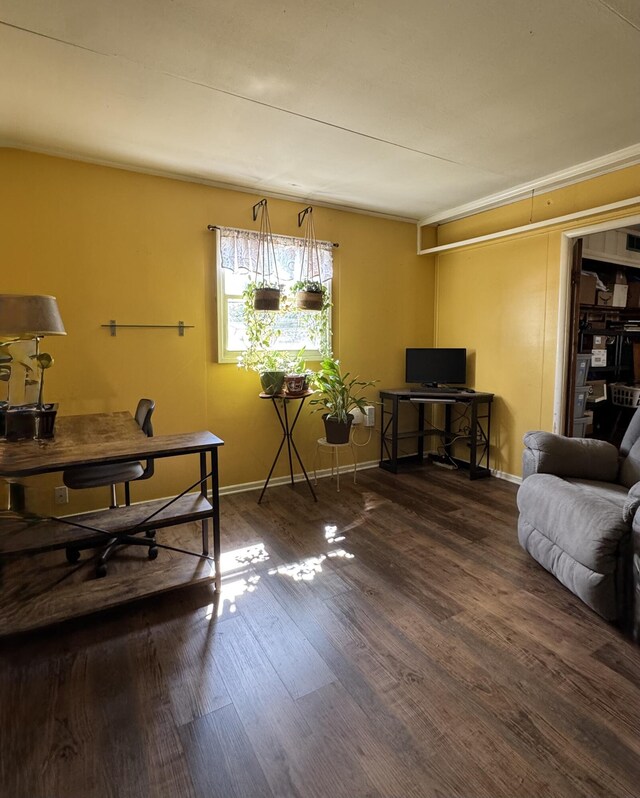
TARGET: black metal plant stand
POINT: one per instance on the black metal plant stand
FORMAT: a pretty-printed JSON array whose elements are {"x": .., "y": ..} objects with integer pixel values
[{"x": 287, "y": 435}]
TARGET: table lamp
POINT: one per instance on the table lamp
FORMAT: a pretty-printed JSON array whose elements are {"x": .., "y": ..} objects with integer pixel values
[{"x": 29, "y": 317}]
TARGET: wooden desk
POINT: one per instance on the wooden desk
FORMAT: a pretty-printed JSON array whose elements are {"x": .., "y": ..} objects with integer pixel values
[
  {"x": 477, "y": 438},
  {"x": 101, "y": 439}
]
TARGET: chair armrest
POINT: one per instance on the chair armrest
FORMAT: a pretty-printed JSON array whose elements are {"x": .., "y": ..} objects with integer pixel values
[
  {"x": 581, "y": 458},
  {"x": 632, "y": 504}
]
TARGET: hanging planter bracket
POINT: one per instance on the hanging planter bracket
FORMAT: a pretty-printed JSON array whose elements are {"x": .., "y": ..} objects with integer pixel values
[
  {"x": 302, "y": 214},
  {"x": 256, "y": 208}
]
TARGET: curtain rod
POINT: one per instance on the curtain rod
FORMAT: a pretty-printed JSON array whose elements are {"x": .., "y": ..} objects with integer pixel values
[{"x": 213, "y": 227}]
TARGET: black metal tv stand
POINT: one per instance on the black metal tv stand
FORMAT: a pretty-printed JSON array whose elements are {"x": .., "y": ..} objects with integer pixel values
[{"x": 459, "y": 405}]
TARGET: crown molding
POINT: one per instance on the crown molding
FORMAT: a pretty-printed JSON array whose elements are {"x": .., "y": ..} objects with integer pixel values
[
  {"x": 185, "y": 178},
  {"x": 566, "y": 177}
]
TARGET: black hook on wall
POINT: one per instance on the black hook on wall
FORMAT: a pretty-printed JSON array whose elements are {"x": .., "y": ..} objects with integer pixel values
[
  {"x": 302, "y": 214},
  {"x": 256, "y": 206}
]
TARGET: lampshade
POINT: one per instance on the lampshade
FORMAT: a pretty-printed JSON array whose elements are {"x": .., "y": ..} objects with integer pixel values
[{"x": 29, "y": 316}]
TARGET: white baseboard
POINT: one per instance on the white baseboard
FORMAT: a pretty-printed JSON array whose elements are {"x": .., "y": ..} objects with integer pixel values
[
  {"x": 507, "y": 477},
  {"x": 345, "y": 468}
]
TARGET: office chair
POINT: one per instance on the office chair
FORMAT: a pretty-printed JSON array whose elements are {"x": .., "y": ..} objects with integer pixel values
[{"x": 98, "y": 476}]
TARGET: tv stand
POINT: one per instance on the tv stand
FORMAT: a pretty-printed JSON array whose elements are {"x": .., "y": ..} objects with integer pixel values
[{"x": 459, "y": 404}]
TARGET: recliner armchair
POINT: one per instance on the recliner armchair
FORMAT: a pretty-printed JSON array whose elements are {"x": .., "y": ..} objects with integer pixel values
[{"x": 578, "y": 503}]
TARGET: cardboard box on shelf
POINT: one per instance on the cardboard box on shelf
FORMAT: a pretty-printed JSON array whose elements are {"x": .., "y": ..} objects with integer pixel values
[
  {"x": 604, "y": 298},
  {"x": 599, "y": 341},
  {"x": 633, "y": 295},
  {"x": 598, "y": 358},
  {"x": 597, "y": 391},
  {"x": 587, "y": 289},
  {"x": 588, "y": 414},
  {"x": 619, "y": 299}
]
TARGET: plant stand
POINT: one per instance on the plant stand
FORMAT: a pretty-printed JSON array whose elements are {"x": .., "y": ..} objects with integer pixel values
[
  {"x": 287, "y": 435},
  {"x": 334, "y": 448}
]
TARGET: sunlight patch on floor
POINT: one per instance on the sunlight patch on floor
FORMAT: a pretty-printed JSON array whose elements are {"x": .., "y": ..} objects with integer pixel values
[
  {"x": 240, "y": 558},
  {"x": 230, "y": 592}
]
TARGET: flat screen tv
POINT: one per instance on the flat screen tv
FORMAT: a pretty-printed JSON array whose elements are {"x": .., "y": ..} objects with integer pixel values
[{"x": 434, "y": 366}]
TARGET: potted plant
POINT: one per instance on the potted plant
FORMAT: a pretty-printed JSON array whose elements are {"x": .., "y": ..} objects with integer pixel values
[
  {"x": 309, "y": 294},
  {"x": 296, "y": 379},
  {"x": 337, "y": 395},
  {"x": 265, "y": 296}
]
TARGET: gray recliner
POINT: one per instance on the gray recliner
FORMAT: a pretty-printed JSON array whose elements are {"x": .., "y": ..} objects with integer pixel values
[{"x": 578, "y": 503}]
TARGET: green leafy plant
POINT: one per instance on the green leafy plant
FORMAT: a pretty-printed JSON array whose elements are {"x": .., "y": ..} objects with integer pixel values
[
  {"x": 262, "y": 331},
  {"x": 312, "y": 286},
  {"x": 336, "y": 393}
]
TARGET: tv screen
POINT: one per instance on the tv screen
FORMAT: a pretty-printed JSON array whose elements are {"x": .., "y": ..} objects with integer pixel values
[{"x": 433, "y": 366}]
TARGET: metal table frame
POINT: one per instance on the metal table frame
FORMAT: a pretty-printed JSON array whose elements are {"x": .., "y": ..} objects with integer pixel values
[{"x": 287, "y": 435}]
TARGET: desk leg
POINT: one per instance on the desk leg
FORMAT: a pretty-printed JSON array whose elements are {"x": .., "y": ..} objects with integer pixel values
[
  {"x": 215, "y": 501},
  {"x": 473, "y": 465},
  {"x": 421, "y": 428},
  {"x": 394, "y": 434},
  {"x": 203, "y": 493}
]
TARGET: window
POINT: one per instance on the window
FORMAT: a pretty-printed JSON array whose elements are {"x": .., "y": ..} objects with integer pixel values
[{"x": 236, "y": 259}]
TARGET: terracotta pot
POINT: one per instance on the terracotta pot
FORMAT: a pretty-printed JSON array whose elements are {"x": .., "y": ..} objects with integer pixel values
[
  {"x": 337, "y": 431},
  {"x": 267, "y": 299},
  {"x": 309, "y": 300},
  {"x": 272, "y": 382},
  {"x": 295, "y": 384}
]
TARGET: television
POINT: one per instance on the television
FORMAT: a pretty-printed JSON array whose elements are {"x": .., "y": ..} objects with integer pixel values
[{"x": 434, "y": 366}]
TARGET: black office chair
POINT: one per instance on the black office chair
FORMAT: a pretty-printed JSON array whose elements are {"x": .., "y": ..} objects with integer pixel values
[{"x": 111, "y": 475}]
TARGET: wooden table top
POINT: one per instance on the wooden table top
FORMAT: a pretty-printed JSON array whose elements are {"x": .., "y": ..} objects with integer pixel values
[
  {"x": 96, "y": 439},
  {"x": 284, "y": 395}
]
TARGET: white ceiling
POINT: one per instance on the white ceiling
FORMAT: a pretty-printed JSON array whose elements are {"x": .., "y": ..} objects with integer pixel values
[{"x": 409, "y": 108}]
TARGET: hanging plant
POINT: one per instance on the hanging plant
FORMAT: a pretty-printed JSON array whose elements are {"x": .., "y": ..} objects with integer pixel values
[
  {"x": 309, "y": 294},
  {"x": 309, "y": 291},
  {"x": 267, "y": 284}
]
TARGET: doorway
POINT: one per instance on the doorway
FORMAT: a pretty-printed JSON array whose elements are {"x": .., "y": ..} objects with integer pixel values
[{"x": 599, "y": 366}]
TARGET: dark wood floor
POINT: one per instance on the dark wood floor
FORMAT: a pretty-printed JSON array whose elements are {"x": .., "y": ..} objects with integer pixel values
[{"x": 391, "y": 640}]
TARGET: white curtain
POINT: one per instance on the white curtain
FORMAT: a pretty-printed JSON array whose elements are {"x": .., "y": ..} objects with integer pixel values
[{"x": 239, "y": 254}]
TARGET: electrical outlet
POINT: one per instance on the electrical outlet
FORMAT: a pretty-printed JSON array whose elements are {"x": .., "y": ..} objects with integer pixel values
[
  {"x": 369, "y": 416},
  {"x": 61, "y": 495}
]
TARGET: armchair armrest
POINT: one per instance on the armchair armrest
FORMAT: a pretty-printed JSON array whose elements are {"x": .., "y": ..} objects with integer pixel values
[
  {"x": 581, "y": 458},
  {"x": 631, "y": 505}
]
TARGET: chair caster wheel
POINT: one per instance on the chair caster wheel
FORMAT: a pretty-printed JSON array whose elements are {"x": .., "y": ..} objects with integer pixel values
[
  {"x": 101, "y": 570},
  {"x": 153, "y": 552},
  {"x": 151, "y": 533},
  {"x": 73, "y": 556}
]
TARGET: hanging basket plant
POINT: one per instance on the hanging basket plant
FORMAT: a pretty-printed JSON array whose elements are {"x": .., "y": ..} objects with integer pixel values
[
  {"x": 309, "y": 292},
  {"x": 309, "y": 295},
  {"x": 267, "y": 299},
  {"x": 267, "y": 283}
]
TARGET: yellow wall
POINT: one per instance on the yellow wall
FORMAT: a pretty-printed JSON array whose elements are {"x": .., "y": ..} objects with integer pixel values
[
  {"x": 500, "y": 299},
  {"x": 116, "y": 244}
]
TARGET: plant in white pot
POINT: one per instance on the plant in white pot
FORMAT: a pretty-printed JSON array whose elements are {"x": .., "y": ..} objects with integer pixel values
[{"x": 337, "y": 395}]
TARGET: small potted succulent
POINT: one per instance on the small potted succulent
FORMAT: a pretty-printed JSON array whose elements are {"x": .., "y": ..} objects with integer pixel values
[
  {"x": 337, "y": 395},
  {"x": 309, "y": 294}
]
